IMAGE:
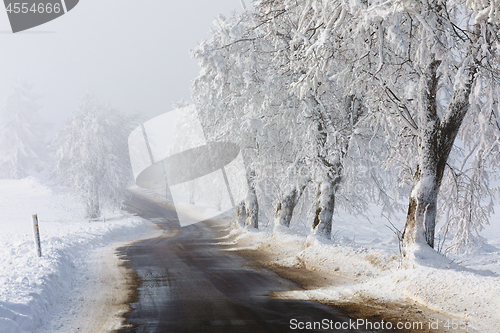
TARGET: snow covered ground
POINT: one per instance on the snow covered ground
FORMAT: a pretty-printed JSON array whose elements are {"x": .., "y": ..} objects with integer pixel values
[
  {"x": 47, "y": 294},
  {"x": 465, "y": 287},
  {"x": 36, "y": 292}
]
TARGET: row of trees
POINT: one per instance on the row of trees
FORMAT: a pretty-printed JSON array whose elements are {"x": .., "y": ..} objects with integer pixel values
[
  {"x": 355, "y": 101},
  {"x": 89, "y": 154}
]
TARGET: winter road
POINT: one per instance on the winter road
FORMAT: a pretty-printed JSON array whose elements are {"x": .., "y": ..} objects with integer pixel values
[{"x": 186, "y": 282}]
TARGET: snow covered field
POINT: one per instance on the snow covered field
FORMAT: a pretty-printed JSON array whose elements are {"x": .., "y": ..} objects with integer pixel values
[
  {"x": 32, "y": 289},
  {"x": 366, "y": 252}
]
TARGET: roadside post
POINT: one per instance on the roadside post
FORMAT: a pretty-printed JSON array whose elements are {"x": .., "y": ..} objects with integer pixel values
[{"x": 37, "y": 234}]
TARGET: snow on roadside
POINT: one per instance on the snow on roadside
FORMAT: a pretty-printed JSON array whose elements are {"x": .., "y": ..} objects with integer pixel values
[
  {"x": 31, "y": 287},
  {"x": 370, "y": 259}
]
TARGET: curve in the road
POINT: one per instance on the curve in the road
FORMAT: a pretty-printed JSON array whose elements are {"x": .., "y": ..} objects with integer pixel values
[{"x": 187, "y": 284}]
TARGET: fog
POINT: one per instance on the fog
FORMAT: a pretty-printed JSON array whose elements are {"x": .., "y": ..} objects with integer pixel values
[{"x": 133, "y": 54}]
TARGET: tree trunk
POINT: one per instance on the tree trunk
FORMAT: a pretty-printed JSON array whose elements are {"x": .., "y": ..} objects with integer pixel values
[
  {"x": 436, "y": 138},
  {"x": 284, "y": 209},
  {"x": 332, "y": 167},
  {"x": 241, "y": 214},
  {"x": 422, "y": 209},
  {"x": 325, "y": 204},
  {"x": 421, "y": 217},
  {"x": 93, "y": 207},
  {"x": 252, "y": 206}
]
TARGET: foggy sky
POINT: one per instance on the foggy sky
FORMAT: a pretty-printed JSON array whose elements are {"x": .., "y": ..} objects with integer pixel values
[{"x": 134, "y": 54}]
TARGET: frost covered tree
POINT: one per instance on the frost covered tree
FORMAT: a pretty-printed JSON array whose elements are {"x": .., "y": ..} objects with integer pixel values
[
  {"x": 221, "y": 93},
  {"x": 92, "y": 155},
  {"x": 22, "y": 133},
  {"x": 452, "y": 53}
]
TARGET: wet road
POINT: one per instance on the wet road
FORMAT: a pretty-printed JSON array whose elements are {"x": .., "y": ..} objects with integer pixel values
[{"x": 188, "y": 283}]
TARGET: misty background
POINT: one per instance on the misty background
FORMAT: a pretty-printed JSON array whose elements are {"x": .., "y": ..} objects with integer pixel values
[{"x": 132, "y": 54}]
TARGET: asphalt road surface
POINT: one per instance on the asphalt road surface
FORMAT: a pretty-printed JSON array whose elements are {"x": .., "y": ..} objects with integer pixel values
[{"x": 188, "y": 283}]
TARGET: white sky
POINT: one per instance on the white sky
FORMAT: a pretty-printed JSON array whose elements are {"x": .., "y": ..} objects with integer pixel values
[{"x": 134, "y": 54}]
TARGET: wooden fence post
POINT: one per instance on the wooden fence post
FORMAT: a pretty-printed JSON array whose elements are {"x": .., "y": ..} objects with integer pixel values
[{"x": 37, "y": 234}]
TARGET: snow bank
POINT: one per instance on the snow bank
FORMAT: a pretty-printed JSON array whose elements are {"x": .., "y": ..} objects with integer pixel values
[
  {"x": 30, "y": 287},
  {"x": 367, "y": 254}
]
